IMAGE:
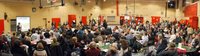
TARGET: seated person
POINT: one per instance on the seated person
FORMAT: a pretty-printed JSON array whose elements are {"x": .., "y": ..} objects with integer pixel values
[
  {"x": 73, "y": 46},
  {"x": 55, "y": 48},
  {"x": 17, "y": 49},
  {"x": 44, "y": 43},
  {"x": 195, "y": 44},
  {"x": 135, "y": 44},
  {"x": 124, "y": 49},
  {"x": 93, "y": 50},
  {"x": 178, "y": 39},
  {"x": 113, "y": 51},
  {"x": 161, "y": 44},
  {"x": 169, "y": 51},
  {"x": 40, "y": 50}
]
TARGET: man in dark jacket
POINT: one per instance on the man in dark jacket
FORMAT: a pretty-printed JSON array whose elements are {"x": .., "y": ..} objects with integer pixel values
[
  {"x": 42, "y": 41},
  {"x": 121, "y": 22},
  {"x": 90, "y": 35},
  {"x": 93, "y": 22},
  {"x": 162, "y": 44},
  {"x": 169, "y": 51},
  {"x": 80, "y": 33},
  {"x": 105, "y": 25},
  {"x": 17, "y": 50}
]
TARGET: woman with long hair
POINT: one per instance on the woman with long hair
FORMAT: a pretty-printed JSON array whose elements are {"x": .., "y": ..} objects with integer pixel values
[{"x": 40, "y": 50}]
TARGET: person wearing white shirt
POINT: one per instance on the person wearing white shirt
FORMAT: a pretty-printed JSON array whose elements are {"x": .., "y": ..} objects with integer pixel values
[
  {"x": 120, "y": 29},
  {"x": 35, "y": 36},
  {"x": 189, "y": 30},
  {"x": 124, "y": 49},
  {"x": 172, "y": 37},
  {"x": 167, "y": 35},
  {"x": 166, "y": 29},
  {"x": 145, "y": 39}
]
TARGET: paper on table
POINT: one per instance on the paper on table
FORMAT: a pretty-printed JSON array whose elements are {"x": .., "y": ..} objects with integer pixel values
[
  {"x": 180, "y": 46},
  {"x": 73, "y": 29},
  {"x": 85, "y": 47},
  {"x": 105, "y": 50}
]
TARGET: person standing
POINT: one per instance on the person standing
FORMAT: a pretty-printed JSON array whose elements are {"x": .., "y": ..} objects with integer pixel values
[
  {"x": 40, "y": 50},
  {"x": 73, "y": 23},
  {"x": 121, "y": 21},
  {"x": 93, "y": 23},
  {"x": 105, "y": 25},
  {"x": 19, "y": 28}
]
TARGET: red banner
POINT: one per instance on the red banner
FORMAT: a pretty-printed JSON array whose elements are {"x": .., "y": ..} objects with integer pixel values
[
  {"x": 1, "y": 26},
  {"x": 139, "y": 20},
  {"x": 155, "y": 19},
  {"x": 190, "y": 10},
  {"x": 84, "y": 20},
  {"x": 56, "y": 21},
  {"x": 71, "y": 18},
  {"x": 193, "y": 22}
]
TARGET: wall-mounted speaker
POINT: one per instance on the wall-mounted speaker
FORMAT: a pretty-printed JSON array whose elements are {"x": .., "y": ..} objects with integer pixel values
[
  {"x": 75, "y": 3},
  {"x": 83, "y": 2},
  {"x": 33, "y": 9},
  {"x": 96, "y": 2},
  {"x": 40, "y": 4},
  {"x": 62, "y": 2},
  {"x": 5, "y": 15},
  {"x": 82, "y": 9},
  {"x": 171, "y": 4}
]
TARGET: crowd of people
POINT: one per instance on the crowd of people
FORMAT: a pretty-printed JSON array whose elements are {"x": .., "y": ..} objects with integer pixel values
[{"x": 159, "y": 39}]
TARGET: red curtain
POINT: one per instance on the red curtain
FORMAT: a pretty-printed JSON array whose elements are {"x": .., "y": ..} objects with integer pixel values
[
  {"x": 84, "y": 20},
  {"x": 155, "y": 19},
  {"x": 193, "y": 22},
  {"x": 1, "y": 26},
  {"x": 56, "y": 21},
  {"x": 70, "y": 19},
  {"x": 139, "y": 19},
  {"x": 190, "y": 10}
]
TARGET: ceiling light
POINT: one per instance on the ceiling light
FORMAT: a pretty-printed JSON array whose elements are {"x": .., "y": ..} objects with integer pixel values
[
  {"x": 89, "y": 1},
  {"x": 168, "y": 1},
  {"x": 187, "y": 2}
]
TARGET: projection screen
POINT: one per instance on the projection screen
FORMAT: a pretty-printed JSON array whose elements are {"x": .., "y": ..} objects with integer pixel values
[{"x": 24, "y": 22}]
